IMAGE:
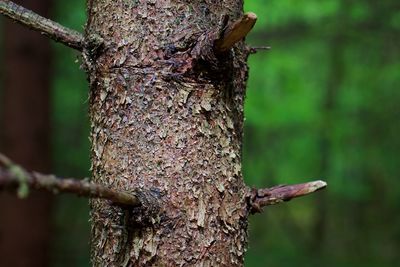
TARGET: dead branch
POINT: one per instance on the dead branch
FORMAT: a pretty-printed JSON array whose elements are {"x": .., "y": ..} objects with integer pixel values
[
  {"x": 270, "y": 196},
  {"x": 45, "y": 26},
  {"x": 235, "y": 32},
  {"x": 213, "y": 44},
  {"x": 255, "y": 49},
  {"x": 13, "y": 176}
]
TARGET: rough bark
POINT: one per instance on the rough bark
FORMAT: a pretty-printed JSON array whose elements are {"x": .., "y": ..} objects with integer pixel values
[
  {"x": 25, "y": 224},
  {"x": 167, "y": 81},
  {"x": 166, "y": 121}
]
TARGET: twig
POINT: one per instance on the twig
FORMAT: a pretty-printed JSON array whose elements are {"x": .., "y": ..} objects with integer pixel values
[
  {"x": 255, "y": 49},
  {"x": 13, "y": 176},
  {"x": 47, "y": 27},
  {"x": 270, "y": 196},
  {"x": 235, "y": 32}
]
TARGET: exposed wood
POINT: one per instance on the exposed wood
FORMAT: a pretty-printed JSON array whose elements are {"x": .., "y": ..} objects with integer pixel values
[
  {"x": 181, "y": 138},
  {"x": 236, "y": 32},
  {"x": 277, "y": 194}
]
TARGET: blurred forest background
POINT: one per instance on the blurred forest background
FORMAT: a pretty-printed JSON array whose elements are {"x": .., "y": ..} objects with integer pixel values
[{"x": 322, "y": 103}]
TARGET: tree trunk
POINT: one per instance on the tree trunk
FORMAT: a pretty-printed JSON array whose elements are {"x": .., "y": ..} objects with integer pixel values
[
  {"x": 167, "y": 83},
  {"x": 170, "y": 123},
  {"x": 25, "y": 137}
]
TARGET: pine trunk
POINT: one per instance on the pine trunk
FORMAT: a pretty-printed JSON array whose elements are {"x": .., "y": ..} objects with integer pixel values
[{"x": 169, "y": 122}]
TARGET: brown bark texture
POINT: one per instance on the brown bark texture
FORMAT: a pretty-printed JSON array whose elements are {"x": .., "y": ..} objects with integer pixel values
[
  {"x": 167, "y": 117},
  {"x": 167, "y": 84},
  {"x": 25, "y": 132}
]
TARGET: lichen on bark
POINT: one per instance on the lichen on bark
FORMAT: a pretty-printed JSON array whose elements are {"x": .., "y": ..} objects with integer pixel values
[{"x": 168, "y": 122}]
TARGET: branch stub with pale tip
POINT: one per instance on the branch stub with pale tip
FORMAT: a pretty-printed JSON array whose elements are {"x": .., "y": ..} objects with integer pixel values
[
  {"x": 270, "y": 196},
  {"x": 235, "y": 32}
]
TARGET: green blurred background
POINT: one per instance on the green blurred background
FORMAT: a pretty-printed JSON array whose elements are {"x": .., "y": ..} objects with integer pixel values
[{"x": 321, "y": 104}]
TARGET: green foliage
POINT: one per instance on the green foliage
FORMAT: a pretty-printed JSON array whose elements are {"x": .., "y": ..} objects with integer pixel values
[
  {"x": 323, "y": 104},
  {"x": 70, "y": 97},
  {"x": 71, "y": 147}
]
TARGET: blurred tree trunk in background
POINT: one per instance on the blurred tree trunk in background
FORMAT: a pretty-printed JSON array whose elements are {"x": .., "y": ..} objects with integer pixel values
[
  {"x": 25, "y": 138},
  {"x": 328, "y": 106}
]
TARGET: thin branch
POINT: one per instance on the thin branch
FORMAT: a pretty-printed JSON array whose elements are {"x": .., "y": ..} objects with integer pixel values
[
  {"x": 270, "y": 196},
  {"x": 255, "y": 49},
  {"x": 235, "y": 32},
  {"x": 13, "y": 176},
  {"x": 47, "y": 27}
]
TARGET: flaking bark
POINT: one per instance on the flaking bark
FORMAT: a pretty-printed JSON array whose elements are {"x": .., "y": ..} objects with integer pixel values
[
  {"x": 174, "y": 121},
  {"x": 167, "y": 85}
]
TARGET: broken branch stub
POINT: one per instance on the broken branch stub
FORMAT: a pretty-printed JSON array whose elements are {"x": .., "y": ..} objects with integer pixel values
[
  {"x": 270, "y": 196},
  {"x": 235, "y": 32}
]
